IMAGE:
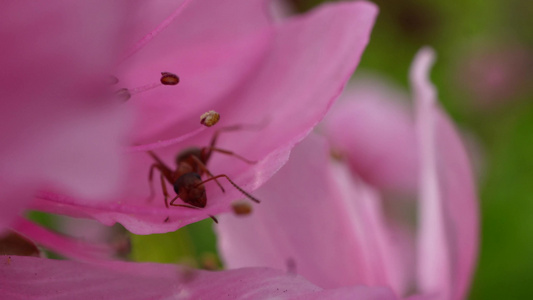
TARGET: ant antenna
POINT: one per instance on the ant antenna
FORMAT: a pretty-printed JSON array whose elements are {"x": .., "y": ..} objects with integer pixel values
[
  {"x": 227, "y": 152},
  {"x": 234, "y": 184}
]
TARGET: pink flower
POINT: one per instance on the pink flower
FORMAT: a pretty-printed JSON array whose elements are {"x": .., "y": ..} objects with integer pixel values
[
  {"x": 278, "y": 79},
  {"x": 327, "y": 218},
  {"x": 35, "y": 278}
]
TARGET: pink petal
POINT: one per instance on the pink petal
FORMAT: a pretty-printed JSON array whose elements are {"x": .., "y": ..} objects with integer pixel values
[
  {"x": 371, "y": 117},
  {"x": 318, "y": 217},
  {"x": 434, "y": 269},
  {"x": 448, "y": 210},
  {"x": 461, "y": 204},
  {"x": 76, "y": 249},
  {"x": 305, "y": 63},
  {"x": 356, "y": 292},
  {"x": 54, "y": 134},
  {"x": 35, "y": 278},
  {"x": 422, "y": 297},
  {"x": 14, "y": 197}
]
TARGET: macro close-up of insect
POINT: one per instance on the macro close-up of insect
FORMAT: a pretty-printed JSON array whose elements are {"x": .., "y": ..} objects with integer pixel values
[{"x": 186, "y": 178}]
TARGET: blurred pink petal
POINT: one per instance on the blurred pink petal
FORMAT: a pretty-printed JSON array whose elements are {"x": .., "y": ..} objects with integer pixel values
[
  {"x": 371, "y": 123},
  {"x": 434, "y": 269},
  {"x": 353, "y": 292},
  {"x": 35, "y": 278},
  {"x": 279, "y": 78},
  {"x": 62, "y": 245},
  {"x": 448, "y": 209},
  {"x": 54, "y": 134},
  {"x": 330, "y": 225},
  {"x": 318, "y": 217}
]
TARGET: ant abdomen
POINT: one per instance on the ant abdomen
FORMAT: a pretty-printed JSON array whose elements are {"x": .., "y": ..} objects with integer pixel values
[{"x": 190, "y": 189}]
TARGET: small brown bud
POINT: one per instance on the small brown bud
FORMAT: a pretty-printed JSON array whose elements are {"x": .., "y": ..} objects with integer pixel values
[
  {"x": 209, "y": 118},
  {"x": 169, "y": 78},
  {"x": 15, "y": 244},
  {"x": 241, "y": 208}
]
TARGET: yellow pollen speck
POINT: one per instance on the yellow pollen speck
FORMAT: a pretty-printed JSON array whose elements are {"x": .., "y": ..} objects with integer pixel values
[{"x": 209, "y": 118}]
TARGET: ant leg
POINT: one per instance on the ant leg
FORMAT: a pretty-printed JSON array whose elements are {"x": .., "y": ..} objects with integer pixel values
[
  {"x": 203, "y": 167},
  {"x": 174, "y": 200},
  {"x": 206, "y": 152},
  {"x": 166, "y": 173},
  {"x": 151, "y": 178},
  {"x": 164, "y": 187},
  {"x": 236, "y": 127},
  {"x": 190, "y": 206},
  {"x": 227, "y": 128},
  {"x": 163, "y": 168},
  {"x": 234, "y": 184},
  {"x": 227, "y": 152},
  {"x": 151, "y": 182}
]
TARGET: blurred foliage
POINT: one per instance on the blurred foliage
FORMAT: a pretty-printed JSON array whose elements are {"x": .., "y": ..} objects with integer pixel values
[
  {"x": 44, "y": 219},
  {"x": 505, "y": 268},
  {"x": 193, "y": 245},
  {"x": 503, "y": 130},
  {"x": 47, "y": 221}
]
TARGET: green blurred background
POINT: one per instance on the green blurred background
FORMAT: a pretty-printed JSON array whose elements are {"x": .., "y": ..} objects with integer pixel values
[
  {"x": 475, "y": 39},
  {"x": 484, "y": 76}
]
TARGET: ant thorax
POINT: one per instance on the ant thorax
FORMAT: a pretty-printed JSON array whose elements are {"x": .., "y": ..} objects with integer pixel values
[
  {"x": 184, "y": 168},
  {"x": 186, "y": 155},
  {"x": 187, "y": 161}
]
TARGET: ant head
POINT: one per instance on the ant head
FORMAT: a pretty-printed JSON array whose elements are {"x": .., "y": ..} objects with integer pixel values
[{"x": 190, "y": 190}]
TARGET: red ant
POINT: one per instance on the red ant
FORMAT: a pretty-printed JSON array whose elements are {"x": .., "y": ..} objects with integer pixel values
[{"x": 187, "y": 180}]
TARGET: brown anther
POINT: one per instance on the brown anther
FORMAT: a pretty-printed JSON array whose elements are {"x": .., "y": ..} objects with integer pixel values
[
  {"x": 241, "y": 208},
  {"x": 169, "y": 78},
  {"x": 123, "y": 94},
  {"x": 336, "y": 154},
  {"x": 209, "y": 261},
  {"x": 209, "y": 118}
]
